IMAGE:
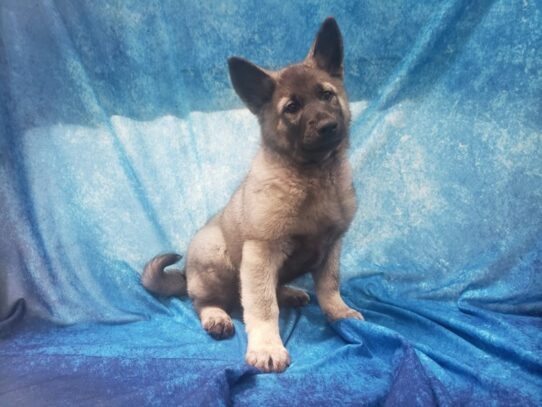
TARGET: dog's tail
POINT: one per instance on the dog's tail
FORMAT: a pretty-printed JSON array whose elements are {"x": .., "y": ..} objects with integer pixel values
[{"x": 160, "y": 282}]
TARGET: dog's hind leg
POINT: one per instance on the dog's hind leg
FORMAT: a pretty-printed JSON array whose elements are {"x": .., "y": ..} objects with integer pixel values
[
  {"x": 213, "y": 297},
  {"x": 214, "y": 292},
  {"x": 213, "y": 283}
]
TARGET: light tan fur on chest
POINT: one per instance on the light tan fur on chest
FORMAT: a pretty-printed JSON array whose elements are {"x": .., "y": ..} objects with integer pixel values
[{"x": 285, "y": 204}]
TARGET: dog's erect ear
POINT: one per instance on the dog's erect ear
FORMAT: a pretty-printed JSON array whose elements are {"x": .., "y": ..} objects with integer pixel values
[
  {"x": 253, "y": 84},
  {"x": 327, "y": 50}
]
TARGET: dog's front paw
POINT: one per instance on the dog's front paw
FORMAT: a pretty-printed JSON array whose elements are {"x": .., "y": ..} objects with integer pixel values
[
  {"x": 268, "y": 358},
  {"x": 344, "y": 313}
]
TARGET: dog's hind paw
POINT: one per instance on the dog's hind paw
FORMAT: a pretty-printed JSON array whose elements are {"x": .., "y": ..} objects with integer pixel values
[
  {"x": 292, "y": 297},
  {"x": 217, "y": 323}
]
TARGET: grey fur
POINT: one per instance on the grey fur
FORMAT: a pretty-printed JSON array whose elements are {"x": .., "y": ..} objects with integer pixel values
[
  {"x": 159, "y": 282},
  {"x": 288, "y": 216}
]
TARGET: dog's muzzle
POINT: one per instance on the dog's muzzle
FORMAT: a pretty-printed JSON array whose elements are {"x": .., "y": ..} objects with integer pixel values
[{"x": 324, "y": 137}]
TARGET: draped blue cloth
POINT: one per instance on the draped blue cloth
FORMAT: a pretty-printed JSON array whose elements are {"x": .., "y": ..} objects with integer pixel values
[{"x": 120, "y": 135}]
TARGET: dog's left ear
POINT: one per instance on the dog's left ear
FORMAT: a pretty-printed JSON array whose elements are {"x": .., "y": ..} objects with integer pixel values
[
  {"x": 327, "y": 50},
  {"x": 254, "y": 85}
]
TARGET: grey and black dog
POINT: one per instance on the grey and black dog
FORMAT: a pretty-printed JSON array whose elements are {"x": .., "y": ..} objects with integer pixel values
[{"x": 288, "y": 216}]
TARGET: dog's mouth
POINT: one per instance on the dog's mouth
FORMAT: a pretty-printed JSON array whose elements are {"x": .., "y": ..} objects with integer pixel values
[{"x": 324, "y": 146}]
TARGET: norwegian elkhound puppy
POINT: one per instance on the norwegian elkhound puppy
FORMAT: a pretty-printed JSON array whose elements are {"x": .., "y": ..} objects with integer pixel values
[{"x": 288, "y": 216}]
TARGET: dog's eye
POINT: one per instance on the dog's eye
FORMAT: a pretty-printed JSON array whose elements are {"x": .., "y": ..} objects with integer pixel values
[
  {"x": 327, "y": 95},
  {"x": 292, "y": 107}
]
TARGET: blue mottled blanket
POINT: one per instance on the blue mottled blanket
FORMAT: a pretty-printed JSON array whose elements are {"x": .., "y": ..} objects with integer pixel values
[{"x": 120, "y": 135}]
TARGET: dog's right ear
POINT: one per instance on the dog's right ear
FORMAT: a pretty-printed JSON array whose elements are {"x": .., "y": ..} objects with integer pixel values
[
  {"x": 253, "y": 84},
  {"x": 327, "y": 50}
]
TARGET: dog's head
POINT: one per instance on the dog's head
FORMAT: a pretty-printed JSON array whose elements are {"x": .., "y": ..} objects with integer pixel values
[{"x": 302, "y": 108}]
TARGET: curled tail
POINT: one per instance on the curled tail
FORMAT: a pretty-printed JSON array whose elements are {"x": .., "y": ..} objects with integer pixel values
[{"x": 159, "y": 282}]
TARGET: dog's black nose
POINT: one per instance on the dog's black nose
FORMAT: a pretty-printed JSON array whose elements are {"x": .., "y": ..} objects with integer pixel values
[{"x": 327, "y": 128}]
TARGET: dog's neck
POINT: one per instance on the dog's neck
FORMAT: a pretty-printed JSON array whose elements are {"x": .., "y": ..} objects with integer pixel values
[{"x": 329, "y": 164}]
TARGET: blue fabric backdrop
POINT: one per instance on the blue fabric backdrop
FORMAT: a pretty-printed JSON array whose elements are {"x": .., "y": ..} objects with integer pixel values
[{"x": 120, "y": 135}]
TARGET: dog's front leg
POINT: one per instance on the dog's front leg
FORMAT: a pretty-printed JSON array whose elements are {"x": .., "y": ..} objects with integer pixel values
[
  {"x": 326, "y": 281},
  {"x": 259, "y": 275}
]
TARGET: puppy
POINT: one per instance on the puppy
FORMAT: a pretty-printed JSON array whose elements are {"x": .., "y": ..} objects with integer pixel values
[{"x": 288, "y": 216}]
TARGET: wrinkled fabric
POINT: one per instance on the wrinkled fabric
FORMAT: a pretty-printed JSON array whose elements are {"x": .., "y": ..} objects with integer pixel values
[{"x": 121, "y": 135}]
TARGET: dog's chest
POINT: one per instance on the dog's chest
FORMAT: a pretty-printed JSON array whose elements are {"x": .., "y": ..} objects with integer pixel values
[
  {"x": 321, "y": 219},
  {"x": 323, "y": 213},
  {"x": 325, "y": 209}
]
